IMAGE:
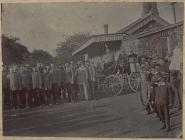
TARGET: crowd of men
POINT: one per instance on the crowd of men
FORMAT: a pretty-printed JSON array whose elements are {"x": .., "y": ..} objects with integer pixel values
[
  {"x": 162, "y": 82},
  {"x": 25, "y": 86}
]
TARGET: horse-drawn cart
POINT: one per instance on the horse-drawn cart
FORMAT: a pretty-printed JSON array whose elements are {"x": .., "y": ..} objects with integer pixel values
[{"x": 118, "y": 83}]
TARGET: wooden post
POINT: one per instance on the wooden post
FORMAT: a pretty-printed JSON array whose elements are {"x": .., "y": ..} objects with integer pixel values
[
  {"x": 174, "y": 12},
  {"x": 169, "y": 46}
]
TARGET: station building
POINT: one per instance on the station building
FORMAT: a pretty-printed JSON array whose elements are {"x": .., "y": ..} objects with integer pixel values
[{"x": 149, "y": 35}]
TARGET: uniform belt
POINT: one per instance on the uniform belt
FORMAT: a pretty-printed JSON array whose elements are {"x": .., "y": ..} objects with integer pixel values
[{"x": 160, "y": 84}]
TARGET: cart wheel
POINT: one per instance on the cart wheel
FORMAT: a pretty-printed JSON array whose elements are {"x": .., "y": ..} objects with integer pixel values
[
  {"x": 108, "y": 84},
  {"x": 125, "y": 83},
  {"x": 117, "y": 86},
  {"x": 134, "y": 81},
  {"x": 113, "y": 85}
]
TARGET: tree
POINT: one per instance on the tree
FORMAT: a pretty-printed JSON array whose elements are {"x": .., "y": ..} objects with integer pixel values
[
  {"x": 70, "y": 44},
  {"x": 12, "y": 51},
  {"x": 40, "y": 56}
]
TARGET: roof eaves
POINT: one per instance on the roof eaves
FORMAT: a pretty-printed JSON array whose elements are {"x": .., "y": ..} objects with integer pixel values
[
  {"x": 97, "y": 38},
  {"x": 161, "y": 29},
  {"x": 132, "y": 24},
  {"x": 87, "y": 43},
  {"x": 161, "y": 20}
]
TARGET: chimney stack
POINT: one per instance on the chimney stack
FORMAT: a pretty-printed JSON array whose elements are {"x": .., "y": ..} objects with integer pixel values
[
  {"x": 149, "y": 7},
  {"x": 105, "y": 27},
  {"x": 174, "y": 13}
]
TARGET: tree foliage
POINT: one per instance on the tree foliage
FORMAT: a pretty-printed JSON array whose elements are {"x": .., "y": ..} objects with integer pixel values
[
  {"x": 70, "y": 44},
  {"x": 12, "y": 51},
  {"x": 40, "y": 56}
]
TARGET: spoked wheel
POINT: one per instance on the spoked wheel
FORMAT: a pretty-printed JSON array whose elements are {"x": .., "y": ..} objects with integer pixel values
[
  {"x": 108, "y": 82},
  {"x": 117, "y": 86},
  {"x": 113, "y": 85},
  {"x": 125, "y": 83},
  {"x": 134, "y": 81}
]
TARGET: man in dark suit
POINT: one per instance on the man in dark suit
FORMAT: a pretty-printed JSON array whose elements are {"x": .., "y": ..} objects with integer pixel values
[{"x": 161, "y": 96}]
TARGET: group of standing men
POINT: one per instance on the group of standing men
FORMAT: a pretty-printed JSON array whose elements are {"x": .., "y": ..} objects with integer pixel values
[
  {"x": 25, "y": 86},
  {"x": 162, "y": 82}
]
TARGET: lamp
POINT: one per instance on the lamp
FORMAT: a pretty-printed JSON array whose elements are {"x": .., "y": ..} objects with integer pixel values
[{"x": 132, "y": 60}]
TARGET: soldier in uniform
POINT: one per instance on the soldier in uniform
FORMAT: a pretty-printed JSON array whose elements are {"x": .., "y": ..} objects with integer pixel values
[
  {"x": 122, "y": 60},
  {"x": 152, "y": 71},
  {"x": 161, "y": 87},
  {"x": 26, "y": 82},
  {"x": 47, "y": 86},
  {"x": 145, "y": 83},
  {"x": 76, "y": 86},
  {"x": 73, "y": 69},
  {"x": 80, "y": 80},
  {"x": 42, "y": 95},
  {"x": 91, "y": 79},
  {"x": 37, "y": 85},
  {"x": 83, "y": 81},
  {"x": 30, "y": 92},
  {"x": 15, "y": 86},
  {"x": 175, "y": 79},
  {"x": 6, "y": 87},
  {"x": 69, "y": 80},
  {"x": 55, "y": 83},
  {"x": 62, "y": 81}
]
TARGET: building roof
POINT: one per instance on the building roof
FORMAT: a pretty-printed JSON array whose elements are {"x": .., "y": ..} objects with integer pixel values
[
  {"x": 100, "y": 38},
  {"x": 160, "y": 29},
  {"x": 124, "y": 31},
  {"x": 144, "y": 20}
]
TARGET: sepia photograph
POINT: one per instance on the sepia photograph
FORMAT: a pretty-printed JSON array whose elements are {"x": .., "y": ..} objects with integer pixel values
[{"x": 92, "y": 69}]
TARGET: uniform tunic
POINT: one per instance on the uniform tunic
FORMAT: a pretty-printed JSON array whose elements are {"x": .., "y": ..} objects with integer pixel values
[
  {"x": 82, "y": 80},
  {"x": 62, "y": 75},
  {"x": 92, "y": 80},
  {"x": 5, "y": 80},
  {"x": 37, "y": 79},
  {"x": 91, "y": 71},
  {"x": 85, "y": 83},
  {"x": 56, "y": 76},
  {"x": 176, "y": 59},
  {"x": 69, "y": 75},
  {"x": 15, "y": 81},
  {"x": 26, "y": 79},
  {"x": 145, "y": 82},
  {"x": 47, "y": 81}
]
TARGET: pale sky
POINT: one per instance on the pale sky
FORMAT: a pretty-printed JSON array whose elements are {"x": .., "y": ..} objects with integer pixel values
[{"x": 42, "y": 26}]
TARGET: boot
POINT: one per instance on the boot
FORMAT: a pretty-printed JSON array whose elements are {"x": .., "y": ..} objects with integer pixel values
[
  {"x": 164, "y": 126},
  {"x": 168, "y": 127}
]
